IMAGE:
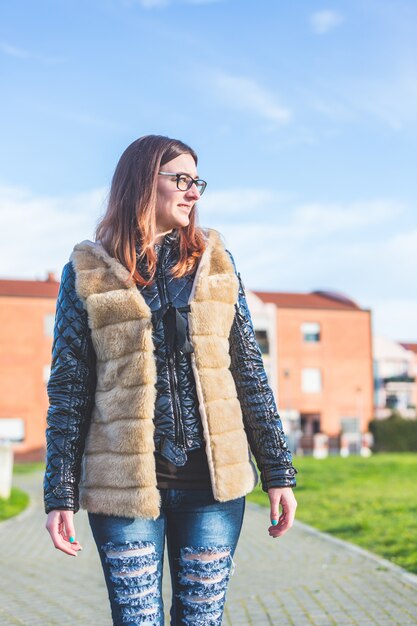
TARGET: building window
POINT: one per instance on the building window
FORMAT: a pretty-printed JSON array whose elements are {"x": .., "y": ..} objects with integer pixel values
[
  {"x": 48, "y": 324},
  {"x": 262, "y": 339},
  {"x": 311, "y": 380},
  {"x": 310, "y": 331},
  {"x": 349, "y": 425}
]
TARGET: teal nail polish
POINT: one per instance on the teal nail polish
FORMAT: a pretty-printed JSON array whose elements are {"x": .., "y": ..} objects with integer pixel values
[
  {"x": 72, "y": 539},
  {"x": 274, "y": 522}
]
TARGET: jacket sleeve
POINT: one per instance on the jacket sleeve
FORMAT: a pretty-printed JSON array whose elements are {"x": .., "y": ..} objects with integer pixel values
[
  {"x": 261, "y": 420},
  {"x": 71, "y": 390}
]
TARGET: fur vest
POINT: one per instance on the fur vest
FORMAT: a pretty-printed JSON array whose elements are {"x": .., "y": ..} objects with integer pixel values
[{"x": 118, "y": 474}]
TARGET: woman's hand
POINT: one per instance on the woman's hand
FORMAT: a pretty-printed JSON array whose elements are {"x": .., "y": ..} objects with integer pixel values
[
  {"x": 283, "y": 522},
  {"x": 60, "y": 525}
]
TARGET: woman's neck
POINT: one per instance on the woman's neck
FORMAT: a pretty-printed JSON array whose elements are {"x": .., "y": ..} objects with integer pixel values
[{"x": 159, "y": 237}]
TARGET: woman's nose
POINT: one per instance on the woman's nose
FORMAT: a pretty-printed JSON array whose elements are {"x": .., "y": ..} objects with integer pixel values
[{"x": 193, "y": 192}]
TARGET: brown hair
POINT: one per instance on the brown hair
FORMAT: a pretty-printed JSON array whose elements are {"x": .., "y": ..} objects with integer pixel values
[{"x": 130, "y": 221}]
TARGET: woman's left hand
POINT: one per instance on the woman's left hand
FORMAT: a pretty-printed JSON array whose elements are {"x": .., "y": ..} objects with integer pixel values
[{"x": 285, "y": 497}]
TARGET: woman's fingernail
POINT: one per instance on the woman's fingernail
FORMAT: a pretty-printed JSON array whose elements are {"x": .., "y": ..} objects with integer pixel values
[
  {"x": 274, "y": 522},
  {"x": 72, "y": 539}
]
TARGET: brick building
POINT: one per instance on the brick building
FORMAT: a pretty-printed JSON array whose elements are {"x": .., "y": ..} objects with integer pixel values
[
  {"x": 323, "y": 372},
  {"x": 27, "y": 311},
  {"x": 316, "y": 349}
]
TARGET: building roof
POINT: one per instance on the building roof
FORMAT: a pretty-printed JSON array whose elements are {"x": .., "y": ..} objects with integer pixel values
[
  {"x": 409, "y": 346},
  {"x": 30, "y": 288},
  {"x": 313, "y": 300}
]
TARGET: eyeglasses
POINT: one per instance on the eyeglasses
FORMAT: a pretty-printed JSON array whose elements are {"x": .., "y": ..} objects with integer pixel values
[{"x": 185, "y": 181}]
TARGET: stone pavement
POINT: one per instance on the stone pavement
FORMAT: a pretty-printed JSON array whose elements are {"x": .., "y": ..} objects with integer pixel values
[{"x": 304, "y": 578}]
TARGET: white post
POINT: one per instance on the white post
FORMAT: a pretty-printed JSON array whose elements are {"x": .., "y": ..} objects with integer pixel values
[
  {"x": 6, "y": 468},
  {"x": 321, "y": 446},
  {"x": 344, "y": 446},
  {"x": 366, "y": 443}
]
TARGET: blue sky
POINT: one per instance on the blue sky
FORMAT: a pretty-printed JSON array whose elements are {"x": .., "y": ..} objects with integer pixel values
[{"x": 304, "y": 116}]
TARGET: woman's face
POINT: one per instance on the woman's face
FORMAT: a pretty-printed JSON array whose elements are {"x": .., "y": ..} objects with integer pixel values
[{"x": 173, "y": 206}]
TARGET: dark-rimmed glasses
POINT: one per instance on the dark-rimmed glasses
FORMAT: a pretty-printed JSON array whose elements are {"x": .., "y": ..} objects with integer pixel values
[{"x": 185, "y": 181}]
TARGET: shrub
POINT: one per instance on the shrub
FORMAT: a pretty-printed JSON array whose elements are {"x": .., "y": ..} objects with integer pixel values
[{"x": 394, "y": 434}]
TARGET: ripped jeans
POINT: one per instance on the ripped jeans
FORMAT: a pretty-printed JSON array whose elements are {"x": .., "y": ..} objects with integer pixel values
[{"x": 201, "y": 534}]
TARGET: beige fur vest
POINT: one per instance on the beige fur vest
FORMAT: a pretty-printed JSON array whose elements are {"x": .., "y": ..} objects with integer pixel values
[{"x": 118, "y": 470}]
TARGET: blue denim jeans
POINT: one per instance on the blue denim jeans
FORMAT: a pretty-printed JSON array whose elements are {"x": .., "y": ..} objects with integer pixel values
[{"x": 201, "y": 535}]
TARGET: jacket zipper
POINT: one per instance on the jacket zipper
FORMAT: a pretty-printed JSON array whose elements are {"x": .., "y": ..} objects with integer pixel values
[{"x": 178, "y": 424}]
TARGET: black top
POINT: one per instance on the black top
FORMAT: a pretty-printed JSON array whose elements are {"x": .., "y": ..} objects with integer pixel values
[{"x": 193, "y": 475}]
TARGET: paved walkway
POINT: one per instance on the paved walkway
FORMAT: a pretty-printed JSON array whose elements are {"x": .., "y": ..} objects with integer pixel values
[{"x": 304, "y": 578}]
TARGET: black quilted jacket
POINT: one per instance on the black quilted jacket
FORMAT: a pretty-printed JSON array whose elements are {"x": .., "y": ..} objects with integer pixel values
[{"x": 72, "y": 382}]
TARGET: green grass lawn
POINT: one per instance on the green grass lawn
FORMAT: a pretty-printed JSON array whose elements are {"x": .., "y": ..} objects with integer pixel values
[
  {"x": 15, "y": 504},
  {"x": 18, "y": 500},
  {"x": 371, "y": 502},
  {"x": 26, "y": 468}
]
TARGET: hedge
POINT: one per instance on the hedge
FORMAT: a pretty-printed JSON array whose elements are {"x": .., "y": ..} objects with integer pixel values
[{"x": 394, "y": 434}]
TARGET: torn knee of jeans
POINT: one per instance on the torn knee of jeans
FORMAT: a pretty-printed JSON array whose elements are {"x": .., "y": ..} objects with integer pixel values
[
  {"x": 204, "y": 576},
  {"x": 214, "y": 619},
  {"x": 205, "y": 554},
  {"x": 208, "y": 562},
  {"x": 134, "y": 570},
  {"x": 131, "y": 559},
  {"x": 130, "y": 552},
  {"x": 145, "y": 616},
  {"x": 205, "y": 559}
]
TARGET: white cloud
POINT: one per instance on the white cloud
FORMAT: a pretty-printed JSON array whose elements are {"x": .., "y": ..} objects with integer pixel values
[
  {"x": 394, "y": 103},
  {"x": 13, "y": 51},
  {"x": 359, "y": 248},
  {"x": 308, "y": 219},
  {"x": 322, "y": 240},
  {"x": 324, "y": 21},
  {"x": 20, "y": 53},
  {"x": 392, "y": 99},
  {"x": 389, "y": 97},
  {"x": 246, "y": 94},
  {"x": 239, "y": 203},
  {"x": 319, "y": 219},
  {"x": 38, "y": 233}
]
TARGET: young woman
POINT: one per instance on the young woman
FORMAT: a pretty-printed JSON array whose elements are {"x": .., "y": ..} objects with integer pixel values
[{"x": 157, "y": 396}]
